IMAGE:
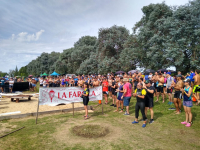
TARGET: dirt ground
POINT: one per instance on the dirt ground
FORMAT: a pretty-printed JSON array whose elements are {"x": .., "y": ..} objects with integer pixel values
[{"x": 26, "y": 106}]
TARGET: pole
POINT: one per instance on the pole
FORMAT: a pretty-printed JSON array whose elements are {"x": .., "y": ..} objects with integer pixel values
[
  {"x": 73, "y": 108},
  {"x": 37, "y": 112},
  {"x": 102, "y": 100}
]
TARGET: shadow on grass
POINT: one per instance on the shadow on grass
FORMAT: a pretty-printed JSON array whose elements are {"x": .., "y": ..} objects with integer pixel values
[{"x": 157, "y": 115}]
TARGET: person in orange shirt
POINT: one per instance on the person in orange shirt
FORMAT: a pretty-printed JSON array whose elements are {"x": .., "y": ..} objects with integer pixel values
[{"x": 105, "y": 90}]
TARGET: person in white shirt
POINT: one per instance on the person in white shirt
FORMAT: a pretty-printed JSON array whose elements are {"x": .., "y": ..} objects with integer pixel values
[{"x": 11, "y": 82}]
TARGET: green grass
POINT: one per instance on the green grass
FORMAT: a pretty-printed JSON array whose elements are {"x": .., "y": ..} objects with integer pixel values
[{"x": 54, "y": 131}]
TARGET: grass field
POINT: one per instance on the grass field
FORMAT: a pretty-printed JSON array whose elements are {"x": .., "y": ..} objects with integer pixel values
[{"x": 55, "y": 131}]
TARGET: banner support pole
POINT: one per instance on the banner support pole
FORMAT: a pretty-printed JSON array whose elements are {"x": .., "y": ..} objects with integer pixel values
[
  {"x": 102, "y": 100},
  {"x": 73, "y": 108},
  {"x": 37, "y": 112}
]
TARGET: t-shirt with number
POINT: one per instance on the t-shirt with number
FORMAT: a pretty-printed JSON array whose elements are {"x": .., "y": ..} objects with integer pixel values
[{"x": 128, "y": 88}]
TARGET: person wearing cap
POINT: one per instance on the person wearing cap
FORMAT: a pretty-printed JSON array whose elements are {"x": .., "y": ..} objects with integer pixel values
[
  {"x": 161, "y": 81},
  {"x": 187, "y": 103},
  {"x": 149, "y": 98},
  {"x": 127, "y": 90},
  {"x": 178, "y": 94},
  {"x": 170, "y": 80},
  {"x": 140, "y": 94}
]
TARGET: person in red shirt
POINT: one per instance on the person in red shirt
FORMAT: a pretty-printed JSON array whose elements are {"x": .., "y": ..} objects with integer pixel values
[{"x": 105, "y": 90}]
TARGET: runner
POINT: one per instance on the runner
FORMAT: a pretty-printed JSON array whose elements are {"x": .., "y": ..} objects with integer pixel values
[
  {"x": 149, "y": 98},
  {"x": 140, "y": 94},
  {"x": 11, "y": 82},
  {"x": 63, "y": 81},
  {"x": 127, "y": 90},
  {"x": 170, "y": 80},
  {"x": 2, "y": 85},
  {"x": 160, "y": 80},
  {"x": 96, "y": 83},
  {"x": 119, "y": 99},
  {"x": 114, "y": 93},
  {"x": 178, "y": 94},
  {"x": 85, "y": 96},
  {"x": 34, "y": 84},
  {"x": 187, "y": 103},
  {"x": 105, "y": 90},
  {"x": 109, "y": 86},
  {"x": 196, "y": 89}
]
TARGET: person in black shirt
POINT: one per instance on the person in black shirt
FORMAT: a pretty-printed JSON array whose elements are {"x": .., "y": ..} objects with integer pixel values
[
  {"x": 114, "y": 93},
  {"x": 85, "y": 96},
  {"x": 149, "y": 98},
  {"x": 140, "y": 94}
]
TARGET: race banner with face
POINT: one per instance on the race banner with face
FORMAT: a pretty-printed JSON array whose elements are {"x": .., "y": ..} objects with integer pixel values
[{"x": 66, "y": 95}]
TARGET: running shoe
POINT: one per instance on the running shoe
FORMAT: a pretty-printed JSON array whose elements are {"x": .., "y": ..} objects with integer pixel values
[
  {"x": 188, "y": 125},
  {"x": 151, "y": 121},
  {"x": 126, "y": 114},
  {"x": 112, "y": 105},
  {"x": 144, "y": 125},
  {"x": 134, "y": 122},
  {"x": 115, "y": 105},
  {"x": 183, "y": 122}
]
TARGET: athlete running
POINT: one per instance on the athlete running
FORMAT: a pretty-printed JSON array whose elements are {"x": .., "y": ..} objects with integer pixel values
[{"x": 196, "y": 89}]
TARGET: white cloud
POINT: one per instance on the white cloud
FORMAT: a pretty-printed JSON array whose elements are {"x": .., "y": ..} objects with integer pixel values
[{"x": 25, "y": 37}]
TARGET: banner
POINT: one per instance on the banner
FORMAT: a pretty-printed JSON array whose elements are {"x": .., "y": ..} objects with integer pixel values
[{"x": 66, "y": 95}]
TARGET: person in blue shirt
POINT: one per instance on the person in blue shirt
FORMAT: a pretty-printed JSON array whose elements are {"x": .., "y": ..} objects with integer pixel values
[
  {"x": 2, "y": 84},
  {"x": 76, "y": 81}
]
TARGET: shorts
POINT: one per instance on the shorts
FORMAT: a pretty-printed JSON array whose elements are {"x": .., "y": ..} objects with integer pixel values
[
  {"x": 85, "y": 101},
  {"x": 187, "y": 103},
  {"x": 127, "y": 101},
  {"x": 178, "y": 94},
  {"x": 149, "y": 103},
  {"x": 164, "y": 85},
  {"x": 110, "y": 89},
  {"x": 105, "y": 92},
  {"x": 41, "y": 84},
  {"x": 160, "y": 88},
  {"x": 196, "y": 89},
  {"x": 33, "y": 85},
  {"x": 119, "y": 97},
  {"x": 114, "y": 92},
  {"x": 169, "y": 90},
  {"x": 76, "y": 84},
  {"x": 10, "y": 86},
  {"x": 2, "y": 86}
]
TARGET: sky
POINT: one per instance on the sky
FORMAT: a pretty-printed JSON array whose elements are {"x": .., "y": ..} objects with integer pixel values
[{"x": 31, "y": 27}]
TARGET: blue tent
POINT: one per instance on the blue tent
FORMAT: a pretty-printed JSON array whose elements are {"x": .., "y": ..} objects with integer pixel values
[{"x": 54, "y": 74}]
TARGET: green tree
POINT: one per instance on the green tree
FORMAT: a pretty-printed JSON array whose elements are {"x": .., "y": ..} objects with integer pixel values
[{"x": 16, "y": 72}]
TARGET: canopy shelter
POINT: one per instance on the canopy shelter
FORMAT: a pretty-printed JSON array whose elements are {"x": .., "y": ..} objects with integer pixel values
[
  {"x": 149, "y": 71},
  {"x": 118, "y": 72},
  {"x": 132, "y": 71},
  {"x": 162, "y": 70},
  {"x": 55, "y": 74},
  {"x": 44, "y": 74}
]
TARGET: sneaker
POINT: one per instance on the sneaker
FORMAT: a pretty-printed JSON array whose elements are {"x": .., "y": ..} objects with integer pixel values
[
  {"x": 183, "y": 122},
  {"x": 151, "y": 121},
  {"x": 188, "y": 125},
  {"x": 171, "y": 109},
  {"x": 126, "y": 113},
  {"x": 144, "y": 125},
  {"x": 115, "y": 105},
  {"x": 134, "y": 122},
  {"x": 112, "y": 105},
  {"x": 143, "y": 120}
]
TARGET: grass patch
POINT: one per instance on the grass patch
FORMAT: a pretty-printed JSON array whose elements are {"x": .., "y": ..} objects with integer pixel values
[{"x": 90, "y": 131}]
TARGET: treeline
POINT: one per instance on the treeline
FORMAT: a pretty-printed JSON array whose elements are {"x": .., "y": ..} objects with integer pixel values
[{"x": 165, "y": 36}]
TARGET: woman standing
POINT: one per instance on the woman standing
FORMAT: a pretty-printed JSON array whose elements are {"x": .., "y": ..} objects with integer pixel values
[
  {"x": 85, "y": 96},
  {"x": 187, "y": 103},
  {"x": 119, "y": 99}
]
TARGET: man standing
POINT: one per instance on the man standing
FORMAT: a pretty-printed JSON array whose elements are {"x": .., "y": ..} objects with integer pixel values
[
  {"x": 178, "y": 94},
  {"x": 161, "y": 81},
  {"x": 140, "y": 94},
  {"x": 149, "y": 98},
  {"x": 196, "y": 89},
  {"x": 170, "y": 80},
  {"x": 127, "y": 90}
]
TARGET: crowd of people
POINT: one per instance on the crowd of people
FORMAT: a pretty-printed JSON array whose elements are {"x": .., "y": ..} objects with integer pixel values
[{"x": 120, "y": 88}]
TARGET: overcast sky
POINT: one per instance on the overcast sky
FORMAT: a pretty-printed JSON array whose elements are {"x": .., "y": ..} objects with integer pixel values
[{"x": 30, "y": 27}]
